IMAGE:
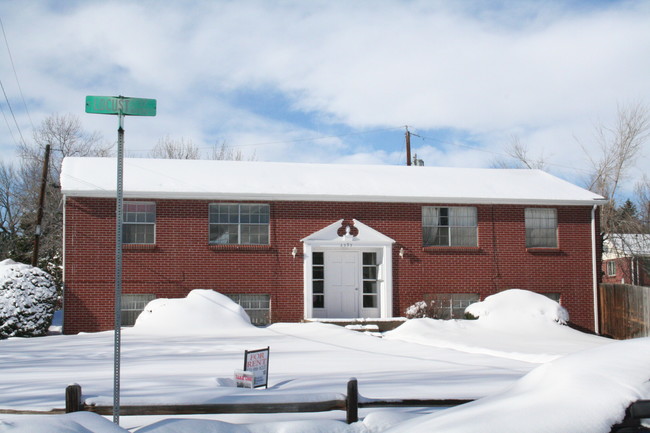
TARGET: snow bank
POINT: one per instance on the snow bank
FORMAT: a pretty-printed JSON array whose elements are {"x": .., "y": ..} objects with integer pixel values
[
  {"x": 516, "y": 306},
  {"x": 27, "y": 300},
  {"x": 584, "y": 392},
  {"x": 78, "y": 422},
  {"x": 514, "y": 324},
  {"x": 202, "y": 311}
]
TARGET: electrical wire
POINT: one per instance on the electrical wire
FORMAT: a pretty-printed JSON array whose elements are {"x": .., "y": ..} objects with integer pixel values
[
  {"x": 13, "y": 66},
  {"x": 12, "y": 113}
]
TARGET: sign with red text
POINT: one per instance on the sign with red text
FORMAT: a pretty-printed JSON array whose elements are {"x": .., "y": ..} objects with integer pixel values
[
  {"x": 244, "y": 379},
  {"x": 257, "y": 362}
]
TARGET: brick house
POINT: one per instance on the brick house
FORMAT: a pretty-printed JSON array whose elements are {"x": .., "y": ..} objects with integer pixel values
[
  {"x": 296, "y": 241},
  {"x": 626, "y": 259}
]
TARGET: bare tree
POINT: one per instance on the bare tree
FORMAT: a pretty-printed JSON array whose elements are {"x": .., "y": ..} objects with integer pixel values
[
  {"x": 518, "y": 157},
  {"x": 619, "y": 148},
  {"x": 169, "y": 148},
  {"x": 66, "y": 137},
  {"x": 642, "y": 192},
  {"x": 11, "y": 210},
  {"x": 225, "y": 152}
]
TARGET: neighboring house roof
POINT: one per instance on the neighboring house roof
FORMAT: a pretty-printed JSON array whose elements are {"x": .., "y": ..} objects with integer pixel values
[
  {"x": 253, "y": 180},
  {"x": 626, "y": 245}
]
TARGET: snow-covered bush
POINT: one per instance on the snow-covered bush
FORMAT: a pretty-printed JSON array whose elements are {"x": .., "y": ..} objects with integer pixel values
[
  {"x": 27, "y": 300},
  {"x": 418, "y": 310}
]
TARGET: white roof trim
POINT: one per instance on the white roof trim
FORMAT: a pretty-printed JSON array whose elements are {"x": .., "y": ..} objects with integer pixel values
[{"x": 366, "y": 235}]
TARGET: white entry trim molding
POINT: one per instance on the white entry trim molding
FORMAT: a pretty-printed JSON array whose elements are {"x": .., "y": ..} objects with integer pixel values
[{"x": 366, "y": 238}]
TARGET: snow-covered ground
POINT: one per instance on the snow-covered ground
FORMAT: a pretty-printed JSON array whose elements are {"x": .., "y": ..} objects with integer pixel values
[{"x": 528, "y": 372}]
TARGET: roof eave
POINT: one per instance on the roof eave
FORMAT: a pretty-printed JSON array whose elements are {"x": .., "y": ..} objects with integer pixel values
[{"x": 332, "y": 198}]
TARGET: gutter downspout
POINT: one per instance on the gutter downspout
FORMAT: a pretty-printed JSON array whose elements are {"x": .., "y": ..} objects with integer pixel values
[
  {"x": 594, "y": 268},
  {"x": 63, "y": 290}
]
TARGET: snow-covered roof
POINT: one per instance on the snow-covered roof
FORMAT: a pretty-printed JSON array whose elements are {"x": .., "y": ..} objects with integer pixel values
[
  {"x": 254, "y": 180},
  {"x": 626, "y": 245}
]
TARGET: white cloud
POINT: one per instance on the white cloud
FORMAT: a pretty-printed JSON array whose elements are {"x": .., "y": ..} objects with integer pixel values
[{"x": 544, "y": 71}]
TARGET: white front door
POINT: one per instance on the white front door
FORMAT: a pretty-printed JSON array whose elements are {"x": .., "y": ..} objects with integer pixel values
[{"x": 342, "y": 281}]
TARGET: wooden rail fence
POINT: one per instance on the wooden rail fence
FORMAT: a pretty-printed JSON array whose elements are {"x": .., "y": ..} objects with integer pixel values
[{"x": 350, "y": 404}]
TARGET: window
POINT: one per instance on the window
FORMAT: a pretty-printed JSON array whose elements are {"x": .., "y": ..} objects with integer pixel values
[
  {"x": 139, "y": 224},
  {"x": 132, "y": 306},
  {"x": 450, "y": 305},
  {"x": 552, "y": 296},
  {"x": 449, "y": 226},
  {"x": 611, "y": 268},
  {"x": 318, "y": 280},
  {"x": 258, "y": 307},
  {"x": 239, "y": 224},
  {"x": 541, "y": 228},
  {"x": 370, "y": 268}
]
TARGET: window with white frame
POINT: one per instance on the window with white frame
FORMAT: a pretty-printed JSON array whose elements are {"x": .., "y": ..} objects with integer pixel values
[
  {"x": 132, "y": 306},
  {"x": 370, "y": 281},
  {"x": 541, "y": 228},
  {"x": 239, "y": 224},
  {"x": 139, "y": 224},
  {"x": 318, "y": 280},
  {"x": 611, "y": 268},
  {"x": 449, "y": 226}
]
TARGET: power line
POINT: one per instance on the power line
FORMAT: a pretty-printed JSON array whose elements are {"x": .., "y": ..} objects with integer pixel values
[
  {"x": 424, "y": 138},
  {"x": 12, "y": 113},
  {"x": 11, "y": 59}
]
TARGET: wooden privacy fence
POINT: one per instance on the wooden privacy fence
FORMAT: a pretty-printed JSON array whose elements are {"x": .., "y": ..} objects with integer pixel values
[
  {"x": 350, "y": 404},
  {"x": 624, "y": 310}
]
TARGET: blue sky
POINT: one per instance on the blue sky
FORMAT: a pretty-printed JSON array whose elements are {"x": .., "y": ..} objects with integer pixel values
[{"x": 336, "y": 81}]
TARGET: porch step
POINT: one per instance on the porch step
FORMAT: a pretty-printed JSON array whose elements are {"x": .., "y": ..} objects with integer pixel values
[{"x": 364, "y": 325}]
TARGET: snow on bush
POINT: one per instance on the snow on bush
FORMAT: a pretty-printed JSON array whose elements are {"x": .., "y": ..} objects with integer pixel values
[
  {"x": 417, "y": 310},
  {"x": 201, "y": 311},
  {"x": 27, "y": 300},
  {"x": 518, "y": 306}
]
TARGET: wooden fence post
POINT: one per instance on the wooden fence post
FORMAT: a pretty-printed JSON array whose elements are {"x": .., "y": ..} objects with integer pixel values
[
  {"x": 73, "y": 401},
  {"x": 352, "y": 402}
]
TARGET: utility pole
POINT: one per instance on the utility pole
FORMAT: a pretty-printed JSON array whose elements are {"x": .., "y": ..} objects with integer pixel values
[
  {"x": 408, "y": 145},
  {"x": 41, "y": 201}
]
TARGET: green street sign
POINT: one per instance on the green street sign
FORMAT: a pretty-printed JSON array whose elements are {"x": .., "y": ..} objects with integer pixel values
[{"x": 120, "y": 105}]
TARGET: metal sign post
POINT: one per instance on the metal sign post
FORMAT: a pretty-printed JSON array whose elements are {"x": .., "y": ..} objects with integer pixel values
[{"x": 120, "y": 106}]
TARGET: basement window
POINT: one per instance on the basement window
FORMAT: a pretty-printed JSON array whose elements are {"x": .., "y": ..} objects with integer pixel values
[
  {"x": 450, "y": 305},
  {"x": 258, "y": 307},
  {"x": 132, "y": 306}
]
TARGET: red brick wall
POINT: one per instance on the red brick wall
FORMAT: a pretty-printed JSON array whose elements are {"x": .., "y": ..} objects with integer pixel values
[
  {"x": 182, "y": 260},
  {"x": 628, "y": 272}
]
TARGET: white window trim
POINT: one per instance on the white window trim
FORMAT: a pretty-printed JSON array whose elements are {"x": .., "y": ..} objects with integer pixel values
[
  {"x": 611, "y": 265},
  {"x": 450, "y": 226},
  {"x": 239, "y": 224},
  {"x": 556, "y": 228},
  {"x": 155, "y": 217}
]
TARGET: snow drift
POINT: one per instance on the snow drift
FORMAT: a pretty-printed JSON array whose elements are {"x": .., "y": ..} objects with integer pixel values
[
  {"x": 514, "y": 324},
  {"x": 202, "y": 311},
  {"x": 583, "y": 392}
]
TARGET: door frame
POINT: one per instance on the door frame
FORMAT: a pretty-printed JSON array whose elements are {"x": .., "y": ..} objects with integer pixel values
[{"x": 367, "y": 239}]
